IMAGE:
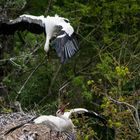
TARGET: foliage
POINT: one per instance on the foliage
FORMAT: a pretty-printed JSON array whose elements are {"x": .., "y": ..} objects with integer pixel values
[{"x": 103, "y": 76}]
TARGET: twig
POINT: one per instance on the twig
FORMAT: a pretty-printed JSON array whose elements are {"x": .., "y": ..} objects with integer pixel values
[
  {"x": 53, "y": 79},
  {"x": 48, "y": 8},
  {"x": 14, "y": 63},
  {"x": 136, "y": 117},
  {"x": 19, "y": 92},
  {"x": 66, "y": 83},
  {"x": 75, "y": 74}
]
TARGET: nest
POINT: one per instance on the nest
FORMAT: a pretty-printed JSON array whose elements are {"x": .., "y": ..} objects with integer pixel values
[{"x": 27, "y": 131}]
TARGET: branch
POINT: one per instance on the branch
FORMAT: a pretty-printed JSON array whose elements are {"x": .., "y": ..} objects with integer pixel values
[
  {"x": 48, "y": 8},
  {"x": 22, "y": 87},
  {"x": 66, "y": 83},
  {"x": 136, "y": 117},
  {"x": 53, "y": 79}
]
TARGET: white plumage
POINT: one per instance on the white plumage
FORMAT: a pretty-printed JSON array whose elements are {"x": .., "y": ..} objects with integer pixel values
[
  {"x": 62, "y": 121},
  {"x": 65, "y": 43},
  {"x": 69, "y": 113},
  {"x": 58, "y": 123}
]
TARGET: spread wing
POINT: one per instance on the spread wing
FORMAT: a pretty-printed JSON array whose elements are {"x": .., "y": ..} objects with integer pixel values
[
  {"x": 79, "y": 112},
  {"x": 66, "y": 46},
  {"x": 33, "y": 24},
  {"x": 95, "y": 115},
  {"x": 65, "y": 43}
]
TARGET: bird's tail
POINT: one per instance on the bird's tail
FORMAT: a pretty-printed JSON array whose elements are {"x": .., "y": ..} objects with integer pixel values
[
  {"x": 70, "y": 135},
  {"x": 20, "y": 125},
  {"x": 14, "y": 128}
]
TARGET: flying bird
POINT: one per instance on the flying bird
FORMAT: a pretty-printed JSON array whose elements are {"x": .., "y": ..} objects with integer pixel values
[{"x": 56, "y": 27}]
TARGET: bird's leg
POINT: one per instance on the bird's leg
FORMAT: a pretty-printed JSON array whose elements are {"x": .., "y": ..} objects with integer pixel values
[
  {"x": 48, "y": 56},
  {"x": 50, "y": 134},
  {"x": 58, "y": 134}
]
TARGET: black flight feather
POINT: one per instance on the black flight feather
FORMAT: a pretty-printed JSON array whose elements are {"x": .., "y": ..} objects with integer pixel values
[
  {"x": 91, "y": 114},
  {"x": 65, "y": 46},
  {"x": 20, "y": 125},
  {"x": 21, "y": 24}
]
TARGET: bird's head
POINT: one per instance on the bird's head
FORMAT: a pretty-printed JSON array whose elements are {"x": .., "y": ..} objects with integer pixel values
[
  {"x": 61, "y": 109},
  {"x": 59, "y": 112},
  {"x": 61, "y": 19},
  {"x": 66, "y": 20}
]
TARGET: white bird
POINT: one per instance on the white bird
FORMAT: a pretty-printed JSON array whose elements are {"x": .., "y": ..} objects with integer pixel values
[
  {"x": 59, "y": 123},
  {"x": 65, "y": 43},
  {"x": 62, "y": 121}
]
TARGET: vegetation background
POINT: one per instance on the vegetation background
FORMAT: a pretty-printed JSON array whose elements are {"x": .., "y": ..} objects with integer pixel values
[{"x": 103, "y": 76}]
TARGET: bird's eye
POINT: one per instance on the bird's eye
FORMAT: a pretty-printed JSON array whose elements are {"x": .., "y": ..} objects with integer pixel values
[{"x": 66, "y": 20}]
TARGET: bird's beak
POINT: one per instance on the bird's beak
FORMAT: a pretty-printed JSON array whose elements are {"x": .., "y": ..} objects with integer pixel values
[{"x": 63, "y": 107}]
